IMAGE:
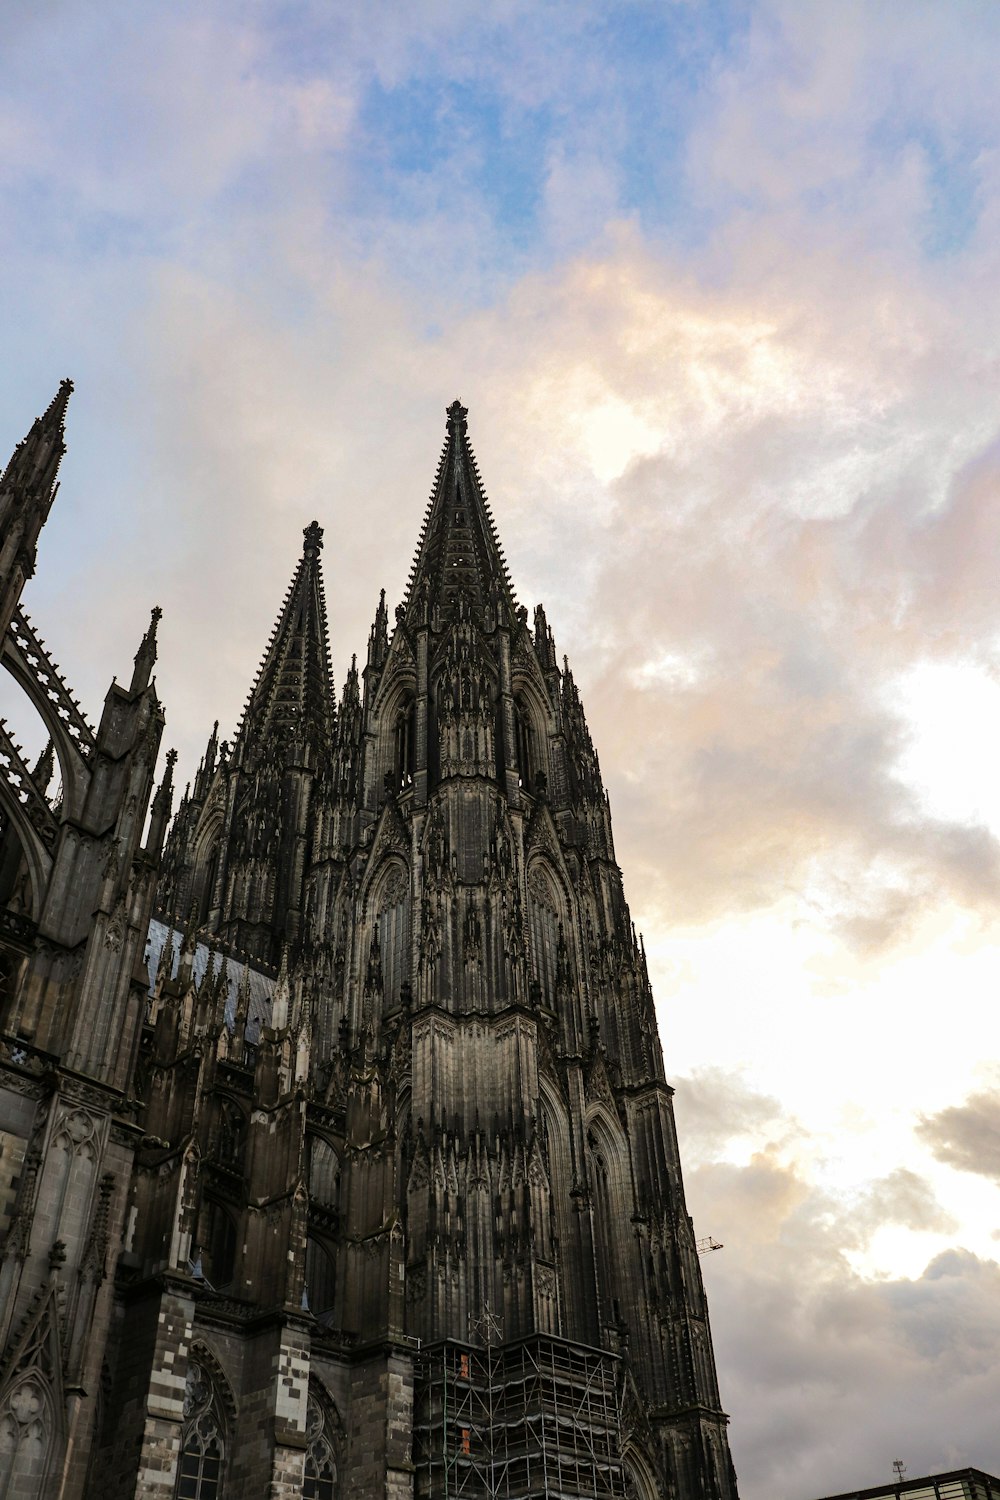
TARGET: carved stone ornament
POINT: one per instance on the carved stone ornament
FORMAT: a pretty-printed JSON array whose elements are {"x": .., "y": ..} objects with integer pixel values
[
  {"x": 394, "y": 891},
  {"x": 115, "y": 934}
]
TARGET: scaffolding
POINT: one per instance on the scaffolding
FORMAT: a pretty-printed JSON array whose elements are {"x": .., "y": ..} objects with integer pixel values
[{"x": 534, "y": 1419}]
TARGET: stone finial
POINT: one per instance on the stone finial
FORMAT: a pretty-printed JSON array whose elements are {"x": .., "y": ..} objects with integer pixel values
[
  {"x": 457, "y": 414},
  {"x": 313, "y": 539}
]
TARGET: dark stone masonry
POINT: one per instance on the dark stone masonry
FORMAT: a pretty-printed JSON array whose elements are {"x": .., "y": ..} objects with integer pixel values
[{"x": 337, "y": 1157}]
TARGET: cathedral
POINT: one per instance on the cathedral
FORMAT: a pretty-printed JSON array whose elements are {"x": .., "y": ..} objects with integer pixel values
[{"x": 337, "y": 1156}]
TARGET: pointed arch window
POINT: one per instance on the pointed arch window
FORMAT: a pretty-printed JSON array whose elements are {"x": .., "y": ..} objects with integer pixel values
[
  {"x": 321, "y": 1281},
  {"x": 203, "y": 1448},
  {"x": 607, "y": 1171},
  {"x": 25, "y": 1437},
  {"x": 545, "y": 927},
  {"x": 392, "y": 908},
  {"x": 526, "y": 743},
  {"x": 324, "y": 1171},
  {"x": 404, "y": 743},
  {"x": 322, "y": 1472},
  {"x": 210, "y": 875}
]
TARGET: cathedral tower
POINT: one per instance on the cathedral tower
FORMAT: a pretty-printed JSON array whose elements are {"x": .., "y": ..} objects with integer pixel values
[{"x": 407, "y": 1216}]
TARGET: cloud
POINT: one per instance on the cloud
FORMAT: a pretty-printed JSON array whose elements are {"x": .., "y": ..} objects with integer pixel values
[
  {"x": 901, "y": 1198},
  {"x": 718, "y": 288},
  {"x": 716, "y": 1107},
  {"x": 830, "y": 1376},
  {"x": 967, "y": 1136}
]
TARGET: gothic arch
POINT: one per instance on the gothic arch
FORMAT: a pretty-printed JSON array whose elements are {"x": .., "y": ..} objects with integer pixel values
[
  {"x": 324, "y": 1169},
  {"x": 73, "y": 769},
  {"x": 385, "y": 958},
  {"x": 557, "y": 1142},
  {"x": 610, "y": 1181},
  {"x": 548, "y": 922},
  {"x": 209, "y": 1422},
  {"x": 206, "y": 1356},
  {"x": 531, "y": 730},
  {"x": 320, "y": 1278},
  {"x": 207, "y": 858},
  {"x": 404, "y": 738},
  {"x": 36, "y": 856},
  {"x": 69, "y": 1174},
  {"x": 324, "y": 1459},
  {"x": 29, "y": 1429},
  {"x": 640, "y": 1479},
  {"x": 603, "y": 1124},
  {"x": 399, "y": 703}
]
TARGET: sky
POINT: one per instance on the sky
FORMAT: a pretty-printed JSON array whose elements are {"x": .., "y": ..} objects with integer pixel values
[{"x": 717, "y": 282}]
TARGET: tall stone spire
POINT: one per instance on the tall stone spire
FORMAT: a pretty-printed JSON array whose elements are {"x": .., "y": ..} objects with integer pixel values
[
  {"x": 458, "y": 553},
  {"x": 292, "y": 696},
  {"x": 27, "y": 489}
]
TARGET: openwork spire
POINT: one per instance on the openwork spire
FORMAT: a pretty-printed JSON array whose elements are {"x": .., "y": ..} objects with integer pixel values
[
  {"x": 459, "y": 558},
  {"x": 292, "y": 696}
]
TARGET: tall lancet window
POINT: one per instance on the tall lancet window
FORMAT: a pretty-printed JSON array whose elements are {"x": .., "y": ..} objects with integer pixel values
[
  {"x": 404, "y": 737},
  {"x": 211, "y": 876},
  {"x": 527, "y": 754},
  {"x": 607, "y": 1169},
  {"x": 392, "y": 911},
  {"x": 544, "y": 925},
  {"x": 203, "y": 1446}
]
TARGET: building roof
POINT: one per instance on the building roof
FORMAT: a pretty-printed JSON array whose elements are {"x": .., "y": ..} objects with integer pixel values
[{"x": 956, "y": 1484}]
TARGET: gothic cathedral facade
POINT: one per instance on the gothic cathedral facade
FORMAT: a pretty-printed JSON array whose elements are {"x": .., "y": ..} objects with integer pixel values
[{"x": 337, "y": 1156}]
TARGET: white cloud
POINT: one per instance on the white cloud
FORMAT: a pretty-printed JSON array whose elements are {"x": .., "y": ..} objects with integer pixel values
[{"x": 755, "y": 481}]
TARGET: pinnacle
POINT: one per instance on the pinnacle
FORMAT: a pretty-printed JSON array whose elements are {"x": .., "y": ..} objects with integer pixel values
[
  {"x": 56, "y": 409},
  {"x": 35, "y": 461},
  {"x": 145, "y": 657}
]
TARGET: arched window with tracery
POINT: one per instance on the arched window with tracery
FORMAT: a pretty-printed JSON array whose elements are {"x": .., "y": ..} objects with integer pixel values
[
  {"x": 25, "y": 1437},
  {"x": 324, "y": 1439},
  {"x": 203, "y": 1443}
]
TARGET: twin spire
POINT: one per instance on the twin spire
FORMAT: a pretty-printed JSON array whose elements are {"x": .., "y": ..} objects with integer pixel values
[{"x": 458, "y": 562}]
